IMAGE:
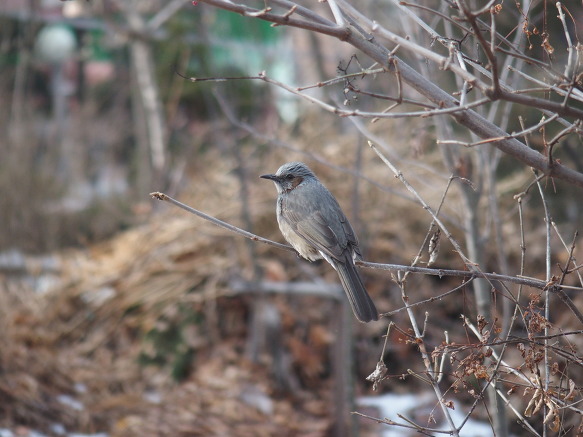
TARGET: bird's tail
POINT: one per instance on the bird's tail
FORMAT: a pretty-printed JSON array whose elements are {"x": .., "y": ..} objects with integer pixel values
[{"x": 361, "y": 303}]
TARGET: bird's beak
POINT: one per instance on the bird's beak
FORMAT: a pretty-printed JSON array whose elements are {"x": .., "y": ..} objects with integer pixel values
[{"x": 269, "y": 176}]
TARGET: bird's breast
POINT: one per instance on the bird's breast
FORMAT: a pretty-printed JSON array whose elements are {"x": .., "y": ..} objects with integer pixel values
[{"x": 305, "y": 249}]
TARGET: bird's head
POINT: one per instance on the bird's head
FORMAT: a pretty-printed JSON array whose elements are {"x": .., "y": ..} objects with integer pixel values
[{"x": 289, "y": 176}]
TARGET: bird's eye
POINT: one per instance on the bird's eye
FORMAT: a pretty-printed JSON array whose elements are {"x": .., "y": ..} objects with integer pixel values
[{"x": 289, "y": 177}]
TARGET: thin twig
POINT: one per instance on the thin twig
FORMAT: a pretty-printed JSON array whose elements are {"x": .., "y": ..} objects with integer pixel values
[
  {"x": 547, "y": 220},
  {"x": 220, "y": 223},
  {"x": 544, "y": 121},
  {"x": 446, "y": 232},
  {"x": 575, "y": 268}
]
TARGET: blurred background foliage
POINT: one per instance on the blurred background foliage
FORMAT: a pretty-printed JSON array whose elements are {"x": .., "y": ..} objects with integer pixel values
[{"x": 71, "y": 124}]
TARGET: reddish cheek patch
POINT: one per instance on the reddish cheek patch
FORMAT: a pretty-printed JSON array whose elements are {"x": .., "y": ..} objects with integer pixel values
[{"x": 296, "y": 181}]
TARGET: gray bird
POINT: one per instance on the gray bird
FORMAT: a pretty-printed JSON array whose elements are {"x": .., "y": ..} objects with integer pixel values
[{"x": 311, "y": 220}]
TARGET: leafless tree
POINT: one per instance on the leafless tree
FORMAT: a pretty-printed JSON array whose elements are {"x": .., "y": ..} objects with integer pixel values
[{"x": 501, "y": 84}]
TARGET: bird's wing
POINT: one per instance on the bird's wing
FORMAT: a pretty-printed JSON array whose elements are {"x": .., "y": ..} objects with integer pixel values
[{"x": 322, "y": 224}]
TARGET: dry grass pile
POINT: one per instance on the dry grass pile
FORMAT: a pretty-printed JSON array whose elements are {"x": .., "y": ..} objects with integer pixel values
[
  {"x": 135, "y": 339},
  {"x": 141, "y": 335}
]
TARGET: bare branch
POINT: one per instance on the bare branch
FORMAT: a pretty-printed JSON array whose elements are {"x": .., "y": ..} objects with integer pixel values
[
  {"x": 220, "y": 223},
  {"x": 468, "y": 118},
  {"x": 530, "y": 282}
]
